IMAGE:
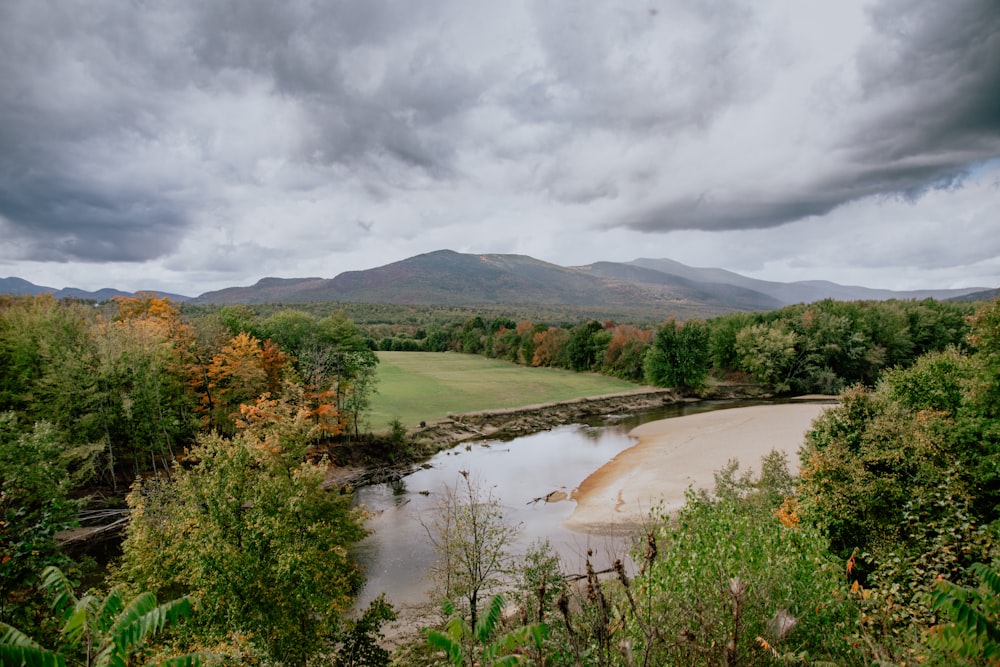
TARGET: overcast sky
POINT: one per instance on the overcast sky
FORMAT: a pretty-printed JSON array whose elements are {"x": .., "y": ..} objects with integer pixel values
[{"x": 189, "y": 145}]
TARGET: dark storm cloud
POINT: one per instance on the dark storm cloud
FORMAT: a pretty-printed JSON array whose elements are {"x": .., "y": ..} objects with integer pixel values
[
  {"x": 93, "y": 96},
  {"x": 71, "y": 110},
  {"x": 311, "y": 52},
  {"x": 930, "y": 76}
]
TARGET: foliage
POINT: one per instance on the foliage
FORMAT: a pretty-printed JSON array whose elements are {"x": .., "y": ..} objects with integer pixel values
[
  {"x": 678, "y": 356},
  {"x": 586, "y": 346},
  {"x": 732, "y": 584},
  {"x": 252, "y": 531},
  {"x": 460, "y": 638},
  {"x": 472, "y": 541},
  {"x": 973, "y": 630},
  {"x": 767, "y": 353},
  {"x": 37, "y": 475},
  {"x": 359, "y": 638},
  {"x": 96, "y": 631},
  {"x": 904, "y": 480}
]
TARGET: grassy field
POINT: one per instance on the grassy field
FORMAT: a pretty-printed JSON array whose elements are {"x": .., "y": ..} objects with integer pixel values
[{"x": 424, "y": 386}]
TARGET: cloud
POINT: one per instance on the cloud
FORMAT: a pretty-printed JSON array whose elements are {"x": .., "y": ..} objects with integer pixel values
[
  {"x": 229, "y": 139},
  {"x": 920, "y": 108}
]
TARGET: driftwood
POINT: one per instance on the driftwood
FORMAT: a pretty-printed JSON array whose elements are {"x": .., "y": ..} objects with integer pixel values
[{"x": 105, "y": 524}]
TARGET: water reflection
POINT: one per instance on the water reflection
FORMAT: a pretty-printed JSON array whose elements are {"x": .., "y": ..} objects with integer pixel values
[{"x": 520, "y": 471}]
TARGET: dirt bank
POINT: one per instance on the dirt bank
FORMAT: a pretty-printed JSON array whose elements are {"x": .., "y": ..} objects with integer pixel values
[{"x": 513, "y": 422}]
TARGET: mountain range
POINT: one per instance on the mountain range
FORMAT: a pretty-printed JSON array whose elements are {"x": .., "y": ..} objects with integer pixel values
[{"x": 445, "y": 277}]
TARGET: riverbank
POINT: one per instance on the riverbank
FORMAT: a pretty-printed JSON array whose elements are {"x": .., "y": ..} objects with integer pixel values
[
  {"x": 524, "y": 420},
  {"x": 673, "y": 455}
]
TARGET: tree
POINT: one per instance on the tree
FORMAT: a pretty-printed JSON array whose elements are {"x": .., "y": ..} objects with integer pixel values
[
  {"x": 237, "y": 375},
  {"x": 585, "y": 346},
  {"x": 37, "y": 481},
  {"x": 625, "y": 351},
  {"x": 678, "y": 356},
  {"x": 472, "y": 540},
  {"x": 767, "y": 352},
  {"x": 251, "y": 530},
  {"x": 548, "y": 344},
  {"x": 96, "y": 631},
  {"x": 359, "y": 639}
]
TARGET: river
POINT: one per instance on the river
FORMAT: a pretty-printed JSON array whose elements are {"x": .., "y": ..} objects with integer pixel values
[{"x": 397, "y": 554}]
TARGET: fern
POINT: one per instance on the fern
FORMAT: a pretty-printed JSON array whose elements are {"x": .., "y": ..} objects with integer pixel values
[
  {"x": 499, "y": 653},
  {"x": 114, "y": 629},
  {"x": 17, "y": 648},
  {"x": 489, "y": 621},
  {"x": 973, "y": 629}
]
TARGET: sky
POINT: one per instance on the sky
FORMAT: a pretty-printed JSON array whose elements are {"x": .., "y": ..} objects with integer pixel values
[{"x": 190, "y": 145}]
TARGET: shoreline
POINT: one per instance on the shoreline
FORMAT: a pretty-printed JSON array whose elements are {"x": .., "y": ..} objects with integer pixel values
[{"x": 675, "y": 454}]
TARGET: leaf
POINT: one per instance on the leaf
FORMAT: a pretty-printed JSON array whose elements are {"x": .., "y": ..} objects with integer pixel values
[
  {"x": 142, "y": 618},
  {"x": 442, "y": 642},
  {"x": 17, "y": 648},
  {"x": 23, "y": 656},
  {"x": 489, "y": 621},
  {"x": 56, "y": 583}
]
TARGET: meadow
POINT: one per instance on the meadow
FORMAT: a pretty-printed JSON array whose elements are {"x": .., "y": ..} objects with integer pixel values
[{"x": 425, "y": 386}]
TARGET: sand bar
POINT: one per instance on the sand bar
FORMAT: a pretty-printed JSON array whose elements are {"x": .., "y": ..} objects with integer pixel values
[{"x": 675, "y": 454}]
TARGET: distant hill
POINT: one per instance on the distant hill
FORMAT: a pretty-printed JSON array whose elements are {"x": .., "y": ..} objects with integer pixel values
[
  {"x": 806, "y": 291},
  {"x": 19, "y": 286},
  {"x": 647, "y": 288},
  {"x": 985, "y": 295}
]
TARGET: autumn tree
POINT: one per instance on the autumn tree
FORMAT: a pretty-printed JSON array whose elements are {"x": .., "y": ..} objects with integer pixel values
[
  {"x": 548, "y": 345},
  {"x": 251, "y": 530},
  {"x": 625, "y": 351},
  {"x": 243, "y": 370}
]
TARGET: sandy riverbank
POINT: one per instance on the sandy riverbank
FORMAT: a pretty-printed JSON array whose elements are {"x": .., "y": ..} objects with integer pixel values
[{"x": 674, "y": 454}]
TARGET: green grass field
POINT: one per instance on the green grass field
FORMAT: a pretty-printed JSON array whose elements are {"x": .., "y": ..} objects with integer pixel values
[{"x": 425, "y": 386}]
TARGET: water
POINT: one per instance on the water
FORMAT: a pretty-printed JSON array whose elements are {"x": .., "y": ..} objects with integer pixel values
[{"x": 398, "y": 553}]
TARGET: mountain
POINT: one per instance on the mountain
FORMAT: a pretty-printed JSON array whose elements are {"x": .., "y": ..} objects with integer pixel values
[
  {"x": 20, "y": 286},
  {"x": 661, "y": 287},
  {"x": 446, "y": 277},
  {"x": 648, "y": 288},
  {"x": 806, "y": 291}
]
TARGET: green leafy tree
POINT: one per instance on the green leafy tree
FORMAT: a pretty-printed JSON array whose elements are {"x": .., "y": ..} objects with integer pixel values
[
  {"x": 734, "y": 583},
  {"x": 678, "y": 356},
  {"x": 96, "y": 631},
  {"x": 38, "y": 476},
  {"x": 359, "y": 639},
  {"x": 768, "y": 353},
  {"x": 585, "y": 346},
  {"x": 251, "y": 530}
]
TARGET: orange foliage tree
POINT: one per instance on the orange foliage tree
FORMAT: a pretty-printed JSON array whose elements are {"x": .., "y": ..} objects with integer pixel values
[{"x": 548, "y": 345}]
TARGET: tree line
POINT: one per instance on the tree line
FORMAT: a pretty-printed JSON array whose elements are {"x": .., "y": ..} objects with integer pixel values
[{"x": 816, "y": 348}]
